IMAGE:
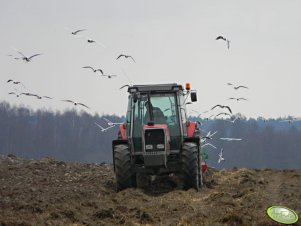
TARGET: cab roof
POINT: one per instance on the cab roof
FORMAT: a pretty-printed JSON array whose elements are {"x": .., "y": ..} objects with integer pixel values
[{"x": 155, "y": 87}]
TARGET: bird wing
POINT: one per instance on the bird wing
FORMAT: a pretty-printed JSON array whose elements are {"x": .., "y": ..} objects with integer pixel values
[
  {"x": 241, "y": 87},
  {"x": 47, "y": 97},
  {"x": 232, "y": 98},
  {"x": 228, "y": 44},
  {"x": 132, "y": 58},
  {"x": 107, "y": 120},
  {"x": 89, "y": 67},
  {"x": 218, "y": 105},
  {"x": 21, "y": 54},
  {"x": 75, "y": 32},
  {"x": 211, "y": 145},
  {"x": 242, "y": 98},
  {"x": 228, "y": 108},
  {"x": 10, "y": 80},
  {"x": 11, "y": 93},
  {"x": 124, "y": 86},
  {"x": 99, "y": 70},
  {"x": 219, "y": 114},
  {"x": 34, "y": 55},
  {"x": 69, "y": 101},
  {"x": 121, "y": 55},
  {"x": 220, "y": 37},
  {"x": 83, "y": 105},
  {"x": 99, "y": 126}
]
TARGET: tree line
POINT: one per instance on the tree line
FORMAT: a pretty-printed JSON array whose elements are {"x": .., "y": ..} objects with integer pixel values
[{"x": 73, "y": 136}]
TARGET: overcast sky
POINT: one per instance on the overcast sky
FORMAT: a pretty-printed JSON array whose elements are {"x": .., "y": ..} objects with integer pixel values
[{"x": 171, "y": 41}]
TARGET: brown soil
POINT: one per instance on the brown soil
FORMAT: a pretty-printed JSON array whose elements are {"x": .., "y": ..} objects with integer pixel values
[{"x": 50, "y": 192}]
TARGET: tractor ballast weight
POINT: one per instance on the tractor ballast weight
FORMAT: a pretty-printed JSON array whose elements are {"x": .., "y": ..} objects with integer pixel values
[{"x": 157, "y": 137}]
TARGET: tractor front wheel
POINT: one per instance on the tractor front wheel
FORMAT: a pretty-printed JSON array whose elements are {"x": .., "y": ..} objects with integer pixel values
[
  {"x": 125, "y": 178},
  {"x": 190, "y": 167}
]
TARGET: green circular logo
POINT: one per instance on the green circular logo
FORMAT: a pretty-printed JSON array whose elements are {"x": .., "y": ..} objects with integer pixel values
[{"x": 282, "y": 214}]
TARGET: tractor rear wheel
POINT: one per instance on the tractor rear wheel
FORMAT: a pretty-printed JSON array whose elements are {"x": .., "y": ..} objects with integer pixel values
[
  {"x": 125, "y": 178},
  {"x": 190, "y": 166}
]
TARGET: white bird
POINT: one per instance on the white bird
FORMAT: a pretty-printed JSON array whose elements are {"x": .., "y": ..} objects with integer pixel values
[
  {"x": 126, "y": 56},
  {"x": 288, "y": 120},
  {"x": 209, "y": 134},
  {"x": 110, "y": 76},
  {"x": 13, "y": 93},
  {"x": 237, "y": 87},
  {"x": 102, "y": 129},
  {"x": 206, "y": 144},
  {"x": 230, "y": 139},
  {"x": 232, "y": 121},
  {"x": 28, "y": 59},
  {"x": 221, "y": 158},
  {"x": 226, "y": 40},
  {"x": 76, "y": 103},
  {"x": 222, "y": 106},
  {"x": 93, "y": 69},
  {"x": 238, "y": 99},
  {"x": 110, "y": 123},
  {"x": 15, "y": 82}
]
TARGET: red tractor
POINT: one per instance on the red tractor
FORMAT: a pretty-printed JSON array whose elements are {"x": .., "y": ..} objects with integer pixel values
[{"x": 157, "y": 137}]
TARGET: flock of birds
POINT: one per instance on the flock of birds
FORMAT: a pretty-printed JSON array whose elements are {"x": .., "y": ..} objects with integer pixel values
[
  {"x": 28, "y": 58},
  {"x": 229, "y": 117},
  {"x": 110, "y": 124}
]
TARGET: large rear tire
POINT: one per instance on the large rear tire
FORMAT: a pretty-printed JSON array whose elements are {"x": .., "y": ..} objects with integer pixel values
[
  {"x": 190, "y": 166},
  {"x": 125, "y": 178}
]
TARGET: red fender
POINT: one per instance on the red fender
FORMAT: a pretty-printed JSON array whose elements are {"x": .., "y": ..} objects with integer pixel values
[
  {"x": 122, "y": 131},
  {"x": 191, "y": 128}
]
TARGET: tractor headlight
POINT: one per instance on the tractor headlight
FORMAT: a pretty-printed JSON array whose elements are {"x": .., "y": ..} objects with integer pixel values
[
  {"x": 149, "y": 147},
  {"x": 160, "y": 146}
]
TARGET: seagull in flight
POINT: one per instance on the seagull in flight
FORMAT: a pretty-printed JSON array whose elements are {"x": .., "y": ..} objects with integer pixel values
[
  {"x": 208, "y": 144},
  {"x": 110, "y": 123},
  {"x": 13, "y": 93},
  {"x": 126, "y": 56},
  {"x": 238, "y": 99},
  {"x": 223, "y": 113},
  {"x": 15, "y": 82},
  {"x": 221, "y": 156},
  {"x": 76, "y": 103},
  {"x": 28, "y": 59},
  {"x": 110, "y": 76},
  {"x": 237, "y": 87},
  {"x": 223, "y": 38},
  {"x": 230, "y": 139},
  {"x": 288, "y": 120},
  {"x": 102, "y": 129},
  {"x": 232, "y": 121},
  {"x": 77, "y": 31},
  {"x": 222, "y": 106},
  {"x": 94, "y": 70}
]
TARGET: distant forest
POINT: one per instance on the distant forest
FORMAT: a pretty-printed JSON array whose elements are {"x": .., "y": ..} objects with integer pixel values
[{"x": 73, "y": 136}]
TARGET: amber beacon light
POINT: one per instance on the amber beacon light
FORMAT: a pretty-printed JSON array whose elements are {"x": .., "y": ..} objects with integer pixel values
[{"x": 187, "y": 86}]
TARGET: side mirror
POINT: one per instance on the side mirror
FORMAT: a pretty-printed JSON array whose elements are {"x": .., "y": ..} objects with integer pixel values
[{"x": 193, "y": 96}]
